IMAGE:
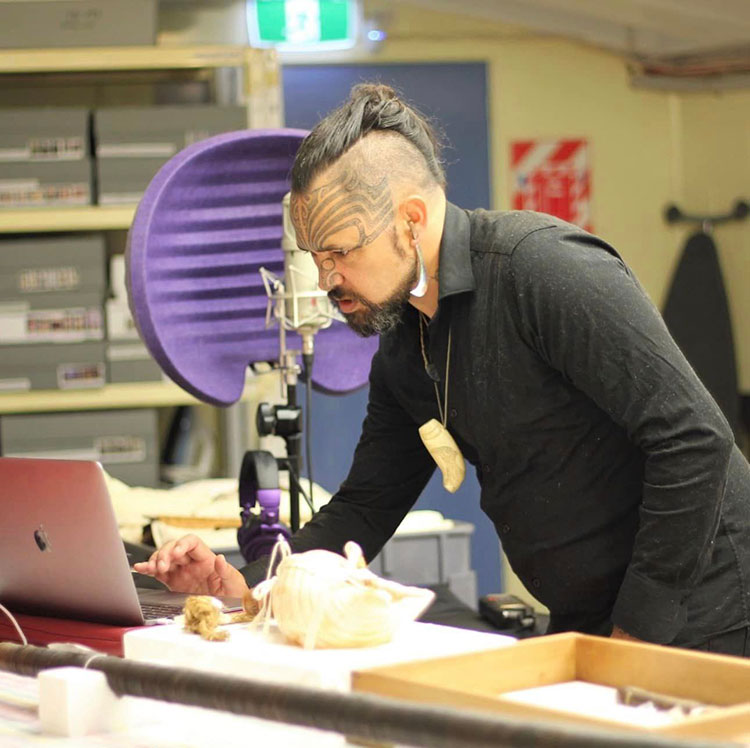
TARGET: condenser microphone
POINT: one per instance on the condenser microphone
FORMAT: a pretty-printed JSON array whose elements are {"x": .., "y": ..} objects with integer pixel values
[{"x": 307, "y": 309}]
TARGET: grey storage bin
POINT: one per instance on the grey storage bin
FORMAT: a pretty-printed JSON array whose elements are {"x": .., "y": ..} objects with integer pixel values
[
  {"x": 132, "y": 143},
  {"x": 52, "y": 318},
  {"x": 123, "y": 181},
  {"x": 124, "y": 441},
  {"x": 77, "y": 23},
  {"x": 131, "y": 362},
  {"x": 430, "y": 558},
  {"x": 44, "y": 134},
  {"x": 51, "y": 367},
  {"x": 160, "y": 131},
  {"x": 32, "y": 268},
  {"x": 45, "y": 183}
]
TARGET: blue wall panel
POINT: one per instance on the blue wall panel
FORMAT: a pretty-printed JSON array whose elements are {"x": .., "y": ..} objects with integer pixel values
[{"x": 455, "y": 96}]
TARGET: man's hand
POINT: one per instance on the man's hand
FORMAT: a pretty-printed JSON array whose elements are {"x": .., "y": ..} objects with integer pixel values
[
  {"x": 189, "y": 565},
  {"x": 618, "y": 633}
]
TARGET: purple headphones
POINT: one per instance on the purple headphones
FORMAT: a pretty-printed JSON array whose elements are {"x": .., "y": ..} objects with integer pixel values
[{"x": 259, "y": 482}]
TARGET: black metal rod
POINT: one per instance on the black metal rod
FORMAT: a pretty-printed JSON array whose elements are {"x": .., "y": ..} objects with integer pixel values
[
  {"x": 293, "y": 455},
  {"x": 673, "y": 214},
  {"x": 362, "y": 715}
]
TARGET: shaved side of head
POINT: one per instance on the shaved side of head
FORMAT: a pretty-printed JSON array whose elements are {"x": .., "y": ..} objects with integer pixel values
[{"x": 360, "y": 190}]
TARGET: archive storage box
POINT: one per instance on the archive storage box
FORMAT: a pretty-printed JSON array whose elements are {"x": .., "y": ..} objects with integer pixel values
[
  {"x": 51, "y": 312},
  {"x": 56, "y": 366},
  {"x": 45, "y": 183},
  {"x": 77, "y": 23},
  {"x": 132, "y": 143},
  {"x": 572, "y": 679},
  {"x": 124, "y": 441},
  {"x": 52, "y": 318},
  {"x": 33, "y": 268},
  {"x": 44, "y": 134},
  {"x": 131, "y": 362},
  {"x": 431, "y": 558},
  {"x": 128, "y": 359}
]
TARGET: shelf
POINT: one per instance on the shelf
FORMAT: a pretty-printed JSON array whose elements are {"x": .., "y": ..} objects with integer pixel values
[
  {"x": 137, "y": 395},
  {"x": 89, "y": 218},
  {"x": 98, "y": 59}
]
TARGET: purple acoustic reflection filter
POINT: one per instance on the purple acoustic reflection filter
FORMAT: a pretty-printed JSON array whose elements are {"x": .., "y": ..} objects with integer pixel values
[{"x": 208, "y": 221}]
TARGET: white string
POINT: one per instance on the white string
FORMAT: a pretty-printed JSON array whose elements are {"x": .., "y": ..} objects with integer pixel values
[
  {"x": 24, "y": 640},
  {"x": 262, "y": 591}
]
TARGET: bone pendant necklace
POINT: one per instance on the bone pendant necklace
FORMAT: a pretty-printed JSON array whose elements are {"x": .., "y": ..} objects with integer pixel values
[{"x": 435, "y": 436}]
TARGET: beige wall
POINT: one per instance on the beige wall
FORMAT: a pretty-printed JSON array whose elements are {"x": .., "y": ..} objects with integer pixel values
[{"x": 716, "y": 158}]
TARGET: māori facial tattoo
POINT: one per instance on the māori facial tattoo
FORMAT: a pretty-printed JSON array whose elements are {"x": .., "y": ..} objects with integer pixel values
[{"x": 347, "y": 201}]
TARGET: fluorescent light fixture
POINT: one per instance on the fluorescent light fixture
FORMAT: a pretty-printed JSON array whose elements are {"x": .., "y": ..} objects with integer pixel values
[{"x": 303, "y": 25}]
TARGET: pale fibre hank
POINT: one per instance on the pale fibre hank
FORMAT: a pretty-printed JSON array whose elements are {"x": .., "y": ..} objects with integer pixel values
[{"x": 321, "y": 599}]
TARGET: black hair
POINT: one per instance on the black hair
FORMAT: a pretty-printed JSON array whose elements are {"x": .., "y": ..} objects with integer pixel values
[{"x": 371, "y": 107}]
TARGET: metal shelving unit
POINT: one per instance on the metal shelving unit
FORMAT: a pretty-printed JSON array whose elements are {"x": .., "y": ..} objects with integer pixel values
[
  {"x": 86, "y": 218},
  {"x": 258, "y": 85}
]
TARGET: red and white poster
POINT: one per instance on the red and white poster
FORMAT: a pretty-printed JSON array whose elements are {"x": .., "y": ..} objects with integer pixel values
[{"x": 552, "y": 176}]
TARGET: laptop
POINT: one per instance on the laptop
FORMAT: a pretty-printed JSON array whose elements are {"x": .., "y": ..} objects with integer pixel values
[{"x": 61, "y": 554}]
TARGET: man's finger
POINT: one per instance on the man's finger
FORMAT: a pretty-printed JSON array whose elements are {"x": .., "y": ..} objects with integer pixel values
[{"x": 220, "y": 565}]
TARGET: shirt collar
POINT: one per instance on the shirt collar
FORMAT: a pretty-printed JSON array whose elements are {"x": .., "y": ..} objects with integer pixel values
[{"x": 454, "y": 271}]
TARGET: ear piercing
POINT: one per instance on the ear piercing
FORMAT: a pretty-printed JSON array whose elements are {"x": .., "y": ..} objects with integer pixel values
[{"x": 420, "y": 289}]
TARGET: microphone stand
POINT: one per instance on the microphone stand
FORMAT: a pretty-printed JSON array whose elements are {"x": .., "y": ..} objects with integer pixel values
[
  {"x": 284, "y": 304},
  {"x": 285, "y": 420}
]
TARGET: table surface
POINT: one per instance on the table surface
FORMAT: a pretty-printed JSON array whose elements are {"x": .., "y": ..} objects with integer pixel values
[{"x": 162, "y": 725}]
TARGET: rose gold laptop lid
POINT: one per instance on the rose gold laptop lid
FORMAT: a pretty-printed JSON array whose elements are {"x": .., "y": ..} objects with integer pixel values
[{"x": 61, "y": 554}]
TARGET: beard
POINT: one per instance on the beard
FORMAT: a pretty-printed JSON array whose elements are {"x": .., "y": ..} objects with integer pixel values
[{"x": 377, "y": 319}]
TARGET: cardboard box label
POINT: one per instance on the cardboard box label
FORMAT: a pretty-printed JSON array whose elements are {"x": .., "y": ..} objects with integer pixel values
[
  {"x": 16, "y": 384},
  {"x": 120, "y": 323},
  {"x": 105, "y": 449},
  {"x": 119, "y": 198},
  {"x": 24, "y": 192},
  {"x": 121, "y": 448},
  {"x": 128, "y": 352},
  {"x": 47, "y": 149},
  {"x": 79, "y": 376},
  {"x": 126, "y": 150},
  {"x": 38, "y": 280},
  {"x": 23, "y": 325}
]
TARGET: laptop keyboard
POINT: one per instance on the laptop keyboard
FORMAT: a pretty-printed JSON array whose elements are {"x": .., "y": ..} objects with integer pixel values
[{"x": 160, "y": 610}]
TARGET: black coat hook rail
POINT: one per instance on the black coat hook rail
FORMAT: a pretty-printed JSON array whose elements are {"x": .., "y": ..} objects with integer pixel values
[{"x": 741, "y": 210}]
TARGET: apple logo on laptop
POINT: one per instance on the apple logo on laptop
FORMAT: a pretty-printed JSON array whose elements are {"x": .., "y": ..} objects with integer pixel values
[{"x": 41, "y": 539}]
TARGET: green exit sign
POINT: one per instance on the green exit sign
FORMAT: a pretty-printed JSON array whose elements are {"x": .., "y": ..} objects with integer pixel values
[{"x": 304, "y": 25}]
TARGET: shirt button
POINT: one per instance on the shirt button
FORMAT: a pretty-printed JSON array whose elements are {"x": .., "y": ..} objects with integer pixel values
[
  {"x": 486, "y": 468},
  {"x": 454, "y": 412},
  {"x": 505, "y": 529},
  {"x": 536, "y": 583}
]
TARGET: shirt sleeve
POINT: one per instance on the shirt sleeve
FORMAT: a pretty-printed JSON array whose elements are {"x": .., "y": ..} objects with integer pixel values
[
  {"x": 585, "y": 313},
  {"x": 390, "y": 469}
]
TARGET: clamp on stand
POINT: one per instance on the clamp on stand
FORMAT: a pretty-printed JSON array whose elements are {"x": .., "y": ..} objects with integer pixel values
[{"x": 259, "y": 480}]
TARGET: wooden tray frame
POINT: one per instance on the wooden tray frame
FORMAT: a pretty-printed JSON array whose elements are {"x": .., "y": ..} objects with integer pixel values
[{"x": 478, "y": 680}]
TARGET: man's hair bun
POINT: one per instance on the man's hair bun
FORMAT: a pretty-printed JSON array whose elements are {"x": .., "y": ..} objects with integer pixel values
[{"x": 371, "y": 107}]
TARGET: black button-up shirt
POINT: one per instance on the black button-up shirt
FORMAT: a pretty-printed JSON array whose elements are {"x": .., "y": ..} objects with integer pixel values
[{"x": 609, "y": 472}]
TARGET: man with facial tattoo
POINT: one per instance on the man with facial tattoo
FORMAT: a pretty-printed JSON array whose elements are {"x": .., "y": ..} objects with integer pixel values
[{"x": 530, "y": 349}]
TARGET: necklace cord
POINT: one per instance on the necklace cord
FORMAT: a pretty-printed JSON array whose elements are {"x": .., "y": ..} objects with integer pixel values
[{"x": 442, "y": 409}]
